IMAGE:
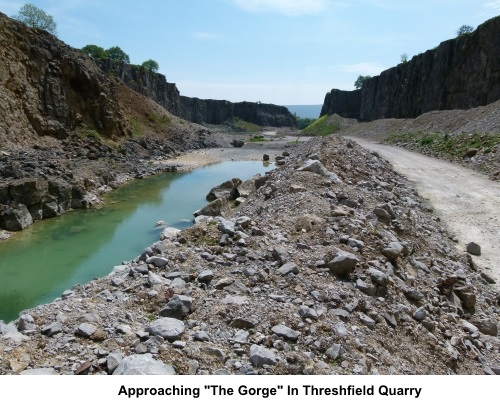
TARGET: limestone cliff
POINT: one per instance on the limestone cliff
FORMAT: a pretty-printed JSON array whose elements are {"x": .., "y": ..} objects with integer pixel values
[
  {"x": 460, "y": 73},
  {"x": 48, "y": 88},
  {"x": 155, "y": 86}
]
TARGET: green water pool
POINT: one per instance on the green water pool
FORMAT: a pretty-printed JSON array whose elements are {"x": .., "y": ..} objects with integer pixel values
[{"x": 39, "y": 263}]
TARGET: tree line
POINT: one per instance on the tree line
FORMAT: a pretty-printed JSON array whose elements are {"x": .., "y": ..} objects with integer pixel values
[{"x": 34, "y": 17}]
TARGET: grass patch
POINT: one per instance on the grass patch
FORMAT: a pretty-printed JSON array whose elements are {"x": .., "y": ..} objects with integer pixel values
[
  {"x": 257, "y": 138},
  {"x": 322, "y": 126},
  {"x": 135, "y": 126},
  {"x": 158, "y": 122},
  {"x": 451, "y": 146},
  {"x": 245, "y": 126}
]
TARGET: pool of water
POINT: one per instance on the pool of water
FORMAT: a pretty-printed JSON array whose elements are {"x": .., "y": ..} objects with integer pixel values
[{"x": 39, "y": 263}]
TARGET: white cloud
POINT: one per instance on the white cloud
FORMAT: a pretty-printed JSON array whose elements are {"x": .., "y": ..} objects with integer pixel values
[
  {"x": 493, "y": 5},
  {"x": 365, "y": 68},
  {"x": 291, "y": 8},
  {"x": 207, "y": 36}
]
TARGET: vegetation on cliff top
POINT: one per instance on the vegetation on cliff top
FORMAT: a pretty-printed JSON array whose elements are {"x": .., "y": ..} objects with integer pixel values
[
  {"x": 323, "y": 126},
  {"x": 34, "y": 17}
]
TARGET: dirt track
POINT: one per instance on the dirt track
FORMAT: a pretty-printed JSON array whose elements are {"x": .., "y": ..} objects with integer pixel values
[{"x": 467, "y": 202}]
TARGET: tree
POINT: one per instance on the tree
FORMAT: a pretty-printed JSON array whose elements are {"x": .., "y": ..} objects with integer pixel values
[
  {"x": 94, "y": 51},
  {"x": 464, "y": 30},
  {"x": 360, "y": 81},
  {"x": 404, "y": 57},
  {"x": 34, "y": 17},
  {"x": 151, "y": 65},
  {"x": 117, "y": 54}
]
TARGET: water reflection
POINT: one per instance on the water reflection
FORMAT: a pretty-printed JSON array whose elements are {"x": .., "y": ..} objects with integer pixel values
[{"x": 38, "y": 264}]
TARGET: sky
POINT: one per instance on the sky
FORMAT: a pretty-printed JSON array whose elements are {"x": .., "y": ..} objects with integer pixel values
[{"x": 283, "y": 52}]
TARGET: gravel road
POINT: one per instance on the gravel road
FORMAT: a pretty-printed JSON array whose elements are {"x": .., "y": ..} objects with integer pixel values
[{"x": 467, "y": 202}]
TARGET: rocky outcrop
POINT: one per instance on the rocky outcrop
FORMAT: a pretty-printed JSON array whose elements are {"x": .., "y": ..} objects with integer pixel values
[
  {"x": 344, "y": 103},
  {"x": 48, "y": 88},
  {"x": 59, "y": 111},
  {"x": 460, "y": 73},
  {"x": 155, "y": 86},
  {"x": 149, "y": 84}
]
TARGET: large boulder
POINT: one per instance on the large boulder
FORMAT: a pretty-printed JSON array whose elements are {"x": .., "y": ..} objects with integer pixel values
[
  {"x": 343, "y": 264},
  {"x": 28, "y": 191},
  {"x": 168, "y": 328},
  {"x": 228, "y": 189},
  {"x": 16, "y": 218},
  {"x": 143, "y": 364}
]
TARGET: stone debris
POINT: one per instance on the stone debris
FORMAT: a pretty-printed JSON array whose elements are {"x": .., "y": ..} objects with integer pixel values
[{"x": 308, "y": 276}]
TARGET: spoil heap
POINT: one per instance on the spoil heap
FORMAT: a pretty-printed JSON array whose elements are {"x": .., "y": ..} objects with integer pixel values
[{"x": 332, "y": 265}]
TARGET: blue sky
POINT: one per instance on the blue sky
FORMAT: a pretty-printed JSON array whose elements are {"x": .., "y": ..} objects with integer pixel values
[{"x": 274, "y": 51}]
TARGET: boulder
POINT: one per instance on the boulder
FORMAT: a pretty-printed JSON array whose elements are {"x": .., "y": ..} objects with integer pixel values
[
  {"x": 143, "y": 364},
  {"x": 168, "y": 328},
  {"x": 16, "y": 219},
  {"x": 342, "y": 264},
  {"x": 228, "y": 189},
  {"x": 178, "y": 307},
  {"x": 259, "y": 356}
]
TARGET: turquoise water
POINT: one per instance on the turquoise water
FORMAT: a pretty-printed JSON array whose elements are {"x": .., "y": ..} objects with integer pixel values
[{"x": 39, "y": 263}]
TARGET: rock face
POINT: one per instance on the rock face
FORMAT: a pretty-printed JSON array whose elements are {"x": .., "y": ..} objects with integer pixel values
[
  {"x": 460, "y": 73},
  {"x": 59, "y": 109},
  {"x": 155, "y": 86},
  {"x": 55, "y": 81}
]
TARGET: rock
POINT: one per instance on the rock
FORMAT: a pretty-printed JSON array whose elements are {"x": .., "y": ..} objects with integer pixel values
[
  {"x": 260, "y": 356},
  {"x": 315, "y": 166},
  {"x": 469, "y": 327},
  {"x": 160, "y": 262},
  {"x": 205, "y": 276},
  {"x": 473, "y": 248},
  {"x": 169, "y": 233},
  {"x": 286, "y": 332},
  {"x": 112, "y": 361},
  {"x": 393, "y": 250},
  {"x": 343, "y": 264},
  {"x": 260, "y": 181},
  {"x": 26, "y": 323},
  {"x": 143, "y": 364},
  {"x": 470, "y": 153},
  {"x": 201, "y": 336},
  {"x": 365, "y": 319},
  {"x": 228, "y": 190},
  {"x": 168, "y": 328},
  {"x": 265, "y": 157},
  {"x": 85, "y": 330},
  {"x": 466, "y": 295},
  {"x": 288, "y": 268},
  {"x": 378, "y": 277},
  {"x": 243, "y": 323},
  {"x": 486, "y": 277},
  {"x": 294, "y": 188},
  {"x": 413, "y": 295},
  {"x": 213, "y": 351},
  {"x": 214, "y": 209},
  {"x": 178, "y": 307},
  {"x": 52, "y": 329},
  {"x": 307, "y": 312},
  {"x": 16, "y": 219},
  {"x": 487, "y": 326},
  {"x": 237, "y": 143},
  {"x": 420, "y": 314},
  {"x": 225, "y": 226},
  {"x": 368, "y": 289},
  {"x": 335, "y": 352}
]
